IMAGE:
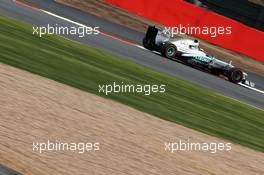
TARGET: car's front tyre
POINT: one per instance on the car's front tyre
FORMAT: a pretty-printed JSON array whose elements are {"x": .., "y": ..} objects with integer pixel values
[{"x": 235, "y": 75}]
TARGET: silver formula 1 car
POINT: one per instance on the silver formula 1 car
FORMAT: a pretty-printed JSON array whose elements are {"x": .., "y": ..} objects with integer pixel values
[{"x": 189, "y": 52}]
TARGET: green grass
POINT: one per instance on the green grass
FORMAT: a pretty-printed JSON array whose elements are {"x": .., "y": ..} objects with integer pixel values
[{"x": 85, "y": 68}]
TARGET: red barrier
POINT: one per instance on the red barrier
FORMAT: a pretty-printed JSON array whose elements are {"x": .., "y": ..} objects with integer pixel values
[{"x": 243, "y": 39}]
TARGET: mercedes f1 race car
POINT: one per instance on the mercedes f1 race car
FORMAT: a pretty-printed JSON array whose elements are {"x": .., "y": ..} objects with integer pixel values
[{"x": 189, "y": 52}]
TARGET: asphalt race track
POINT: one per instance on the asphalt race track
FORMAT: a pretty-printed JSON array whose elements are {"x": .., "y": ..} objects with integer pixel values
[{"x": 129, "y": 51}]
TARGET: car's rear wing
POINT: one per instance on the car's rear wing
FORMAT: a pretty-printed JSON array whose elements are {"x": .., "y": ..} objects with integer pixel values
[
  {"x": 149, "y": 41},
  {"x": 151, "y": 33},
  {"x": 154, "y": 37}
]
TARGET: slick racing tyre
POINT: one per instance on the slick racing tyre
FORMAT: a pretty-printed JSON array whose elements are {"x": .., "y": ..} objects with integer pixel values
[
  {"x": 169, "y": 50},
  {"x": 235, "y": 75}
]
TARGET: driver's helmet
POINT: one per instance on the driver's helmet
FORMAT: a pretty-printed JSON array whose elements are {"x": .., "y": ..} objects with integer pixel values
[
  {"x": 166, "y": 32},
  {"x": 193, "y": 46}
]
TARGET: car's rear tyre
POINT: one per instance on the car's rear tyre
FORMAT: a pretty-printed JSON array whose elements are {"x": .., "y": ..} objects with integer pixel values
[
  {"x": 235, "y": 75},
  {"x": 169, "y": 50}
]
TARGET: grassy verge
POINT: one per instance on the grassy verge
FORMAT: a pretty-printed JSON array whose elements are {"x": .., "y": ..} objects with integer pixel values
[{"x": 85, "y": 68}]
